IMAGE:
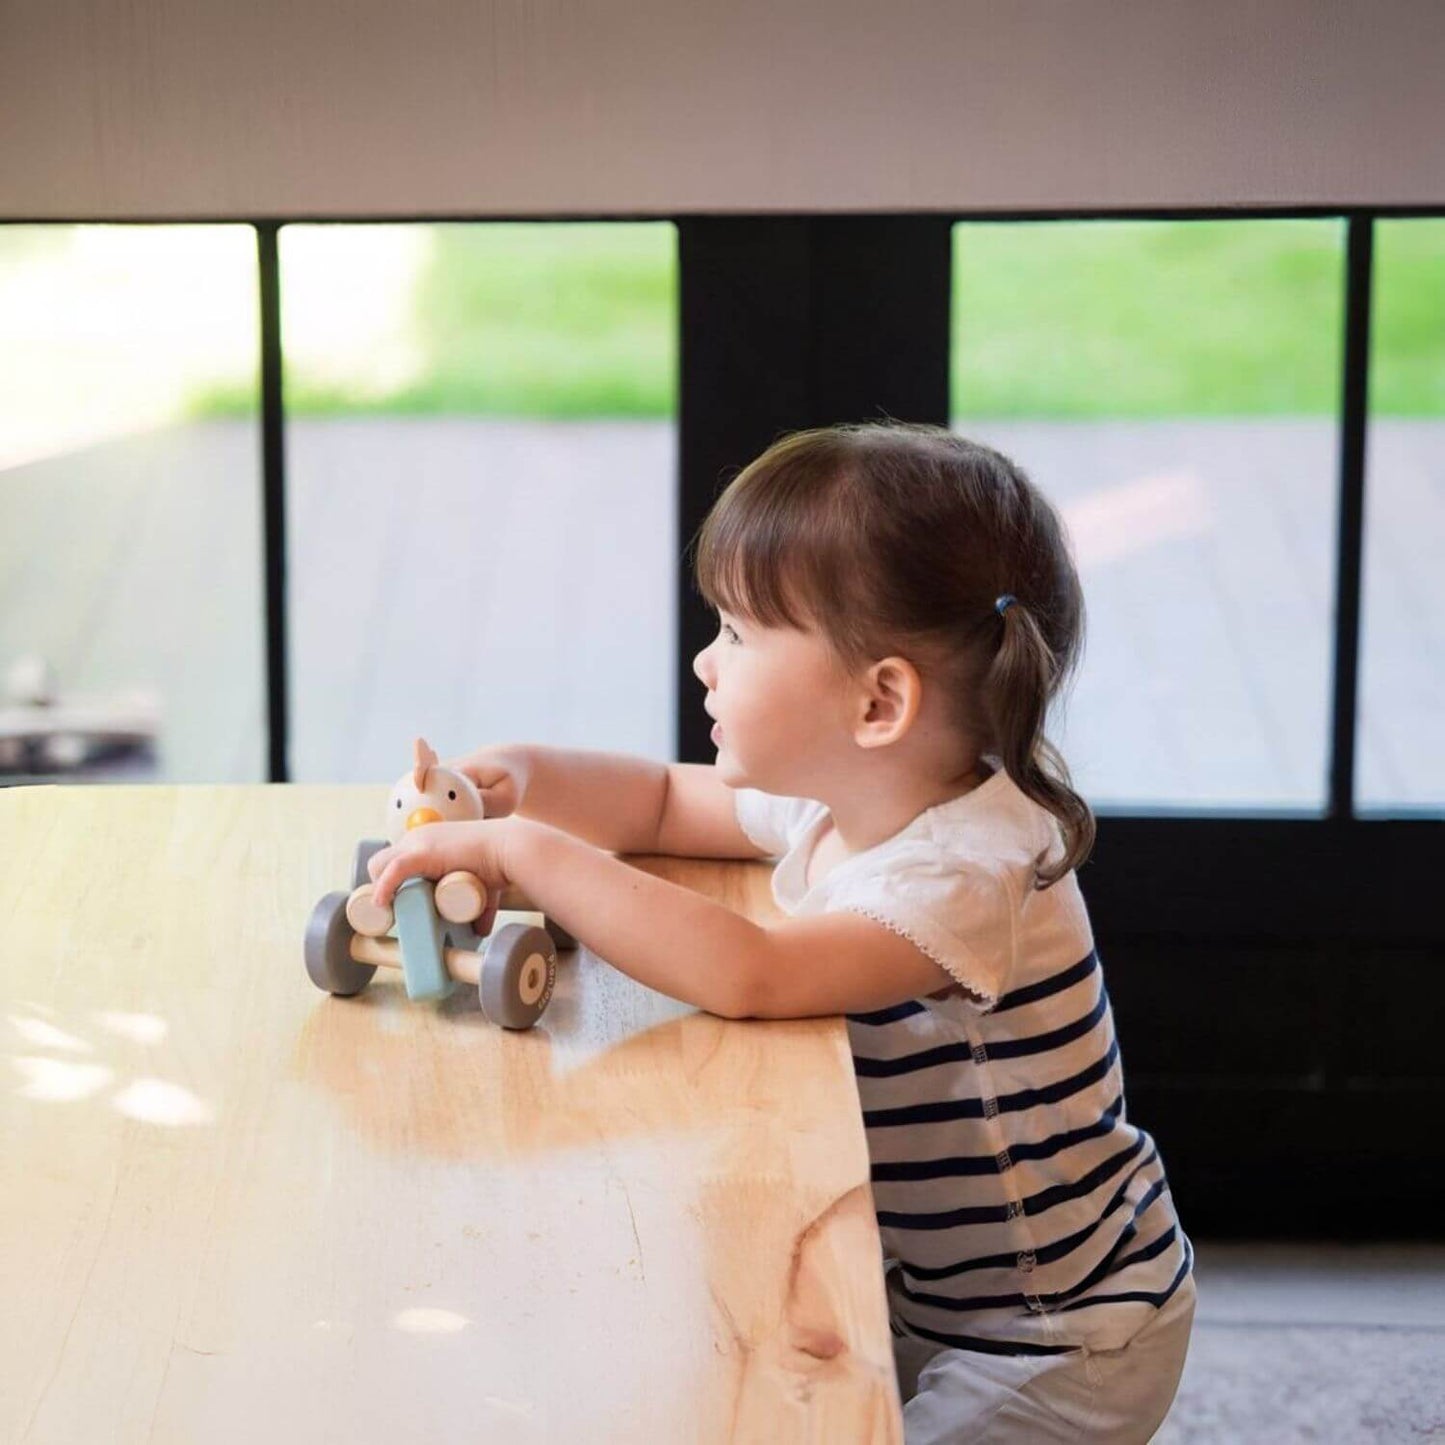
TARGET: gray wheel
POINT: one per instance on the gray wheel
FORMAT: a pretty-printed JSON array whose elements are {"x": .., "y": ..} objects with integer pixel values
[
  {"x": 328, "y": 949},
  {"x": 518, "y": 973},
  {"x": 364, "y": 850}
]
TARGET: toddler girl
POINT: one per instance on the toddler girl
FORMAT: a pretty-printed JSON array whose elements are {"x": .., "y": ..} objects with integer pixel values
[{"x": 897, "y": 607}]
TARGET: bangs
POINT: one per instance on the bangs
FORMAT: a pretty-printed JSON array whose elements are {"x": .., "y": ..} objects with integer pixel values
[{"x": 774, "y": 549}]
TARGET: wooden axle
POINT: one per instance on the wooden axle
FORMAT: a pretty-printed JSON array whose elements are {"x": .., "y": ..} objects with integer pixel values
[
  {"x": 463, "y": 964},
  {"x": 460, "y": 898}
]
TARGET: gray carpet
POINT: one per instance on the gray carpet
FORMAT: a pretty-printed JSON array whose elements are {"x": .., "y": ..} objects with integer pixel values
[{"x": 1331, "y": 1343}]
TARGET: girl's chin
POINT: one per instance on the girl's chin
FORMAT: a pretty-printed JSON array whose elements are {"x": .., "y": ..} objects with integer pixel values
[{"x": 727, "y": 765}]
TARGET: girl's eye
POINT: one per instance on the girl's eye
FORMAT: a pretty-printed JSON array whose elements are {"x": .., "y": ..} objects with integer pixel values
[{"x": 730, "y": 633}]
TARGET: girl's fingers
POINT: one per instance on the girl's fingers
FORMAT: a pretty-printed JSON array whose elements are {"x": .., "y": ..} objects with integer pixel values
[
  {"x": 484, "y": 775},
  {"x": 499, "y": 796},
  {"x": 392, "y": 877},
  {"x": 403, "y": 864},
  {"x": 499, "y": 801},
  {"x": 499, "y": 793},
  {"x": 432, "y": 851}
]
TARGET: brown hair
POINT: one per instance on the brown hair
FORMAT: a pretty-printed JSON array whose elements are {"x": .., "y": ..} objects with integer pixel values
[{"x": 893, "y": 536}]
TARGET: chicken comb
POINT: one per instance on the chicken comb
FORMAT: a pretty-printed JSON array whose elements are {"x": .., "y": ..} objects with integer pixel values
[{"x": 425, "y": 759}]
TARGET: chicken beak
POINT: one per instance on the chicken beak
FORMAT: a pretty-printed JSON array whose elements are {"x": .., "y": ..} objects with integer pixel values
[{"x": 422, "y": 815}]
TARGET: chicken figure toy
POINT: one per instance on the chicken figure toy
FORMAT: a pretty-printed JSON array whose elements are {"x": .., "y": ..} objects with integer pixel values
[
  {"x": 435, "y": 946},
  {"x": 429, "y": 793}
]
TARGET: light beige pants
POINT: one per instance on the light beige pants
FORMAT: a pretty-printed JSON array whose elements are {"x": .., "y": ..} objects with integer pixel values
[{"x": 1119, "y": 1396}]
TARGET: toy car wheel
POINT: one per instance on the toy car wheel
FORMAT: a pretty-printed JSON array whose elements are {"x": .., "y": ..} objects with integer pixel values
[
  {"x": 518, "y": 974},
  {"x": 328, "y": 949},
  {"x": 364, "y": 851}
]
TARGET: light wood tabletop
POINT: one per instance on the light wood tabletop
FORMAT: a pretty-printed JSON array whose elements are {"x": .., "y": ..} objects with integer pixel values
[{"x": 233, "y": 1207}]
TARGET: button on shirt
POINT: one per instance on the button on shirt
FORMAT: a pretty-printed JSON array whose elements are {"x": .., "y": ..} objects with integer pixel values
[{"x": 1020, "y": 1211}]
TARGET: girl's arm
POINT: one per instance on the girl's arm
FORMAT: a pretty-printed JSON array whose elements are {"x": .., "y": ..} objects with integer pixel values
[
  {"x": 623, "y": 803},
  {"x": 668, "y": 937}
]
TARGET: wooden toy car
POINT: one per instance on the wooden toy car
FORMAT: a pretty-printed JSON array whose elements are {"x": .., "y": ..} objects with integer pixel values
[{"x": 513, "y": 969}]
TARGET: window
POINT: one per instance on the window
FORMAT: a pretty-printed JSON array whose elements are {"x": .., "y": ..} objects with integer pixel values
[
  {"x": 481, "y": 460},
  {"x": 1174, "y": 388},
  {"x": 130, "y": 558},
  {"x": 1401, "y": 764}
]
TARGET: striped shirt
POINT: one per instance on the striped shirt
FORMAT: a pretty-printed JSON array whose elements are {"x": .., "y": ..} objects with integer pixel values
[{"x": 1020, "y": 1211}]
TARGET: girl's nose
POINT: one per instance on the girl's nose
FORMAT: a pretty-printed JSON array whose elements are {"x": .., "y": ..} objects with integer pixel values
[{"x": 702, "y": 666}]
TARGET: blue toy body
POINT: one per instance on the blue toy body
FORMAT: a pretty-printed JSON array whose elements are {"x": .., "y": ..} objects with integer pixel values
[{"x": 423, "y": 935}]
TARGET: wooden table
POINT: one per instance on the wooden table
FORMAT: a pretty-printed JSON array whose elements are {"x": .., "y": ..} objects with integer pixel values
[{"x": 235, "y": 1208}]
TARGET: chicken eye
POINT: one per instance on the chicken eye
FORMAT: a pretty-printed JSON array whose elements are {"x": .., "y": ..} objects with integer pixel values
[
  {"x": 452, "y": 794},
  {"x": 398, "y": 802}
]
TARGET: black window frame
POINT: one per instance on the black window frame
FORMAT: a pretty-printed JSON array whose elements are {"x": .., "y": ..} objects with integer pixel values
[
  {"x": 1275, "y": 979},
  {"x": 1272, "y": 976}
]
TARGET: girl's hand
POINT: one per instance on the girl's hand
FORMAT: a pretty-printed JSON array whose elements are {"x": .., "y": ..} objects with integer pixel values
[
  {"x": 435, "y": 849},
  {"x": 500, "y": 775}
]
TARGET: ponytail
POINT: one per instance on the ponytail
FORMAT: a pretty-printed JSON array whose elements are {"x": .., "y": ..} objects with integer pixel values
[{"x": 1020, "y": 681}]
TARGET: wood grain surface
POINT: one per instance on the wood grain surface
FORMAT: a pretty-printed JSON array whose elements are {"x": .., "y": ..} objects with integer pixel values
[{"x": 235, "y": 1208}]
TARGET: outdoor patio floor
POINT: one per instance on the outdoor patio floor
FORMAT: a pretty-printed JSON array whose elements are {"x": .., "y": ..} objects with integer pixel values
[{"x": 488, "y": 580}]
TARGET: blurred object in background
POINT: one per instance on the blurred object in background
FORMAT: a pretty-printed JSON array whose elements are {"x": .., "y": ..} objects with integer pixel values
[{"x": 45, "y": 734}]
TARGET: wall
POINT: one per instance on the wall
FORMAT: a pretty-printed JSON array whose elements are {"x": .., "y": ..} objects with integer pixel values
[{"x": 537, "y": 107}]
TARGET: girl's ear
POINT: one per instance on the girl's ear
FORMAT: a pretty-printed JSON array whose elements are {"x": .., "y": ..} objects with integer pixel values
[{"x": 891, "y": 697}]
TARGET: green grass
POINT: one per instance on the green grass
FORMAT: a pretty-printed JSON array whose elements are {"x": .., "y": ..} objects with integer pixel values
[
  {"x": 548, "y": 321},
  {"x": 1407, "y": 377},
  {"x": 1050, "y": 320},
  {"x": 1202, "y": 318},
  {"x": 1133, "y": 319}
]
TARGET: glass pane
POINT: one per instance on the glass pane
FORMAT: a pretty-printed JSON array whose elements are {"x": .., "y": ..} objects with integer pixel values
[
  {"x": 481, "y": 456},
  {"x": 1173, "y": 387},
  {"x": 131, "y": 555},
  {"x": 1401, "y": 763}
]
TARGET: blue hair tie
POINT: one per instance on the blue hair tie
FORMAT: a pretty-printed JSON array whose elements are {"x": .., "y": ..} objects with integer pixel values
[{"x": 1002, "y": 604}]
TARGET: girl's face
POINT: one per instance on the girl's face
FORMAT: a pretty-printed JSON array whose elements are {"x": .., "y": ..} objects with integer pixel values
[{"x": 781, "y": 705}]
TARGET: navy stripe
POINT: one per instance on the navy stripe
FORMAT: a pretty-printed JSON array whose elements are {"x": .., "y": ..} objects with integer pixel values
[
  {"x": 967, "y": 1165},
  {"x": 1019, "y": 1300},
  {"x": 1111, "y": 1262},
  {"x": 888, "y": 1015},
  {"x": 1053, "y": 1301},
  {"x": 1049, "y": 1301},
  {"x": 911, "y": 1063},
  {"x": 1150, "y": 1251},
  {"x": 1105, "y": 1266},
  {"x": 1038, "y": 1043},
  {"x": 1055, "y": 983},
  {"x": 1048, "y": 1253},
  {"x": 961, "y": 1053},
  {"x": 1047, "y": 1148},
  {"x": 947, "y": 1109},
  {"x": 1158, "y": 1300},
  {"x": 991, "y": 1347},
  {"x": 1046, "y": 1199},
  {"x": 1035, "y": 1204}
]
